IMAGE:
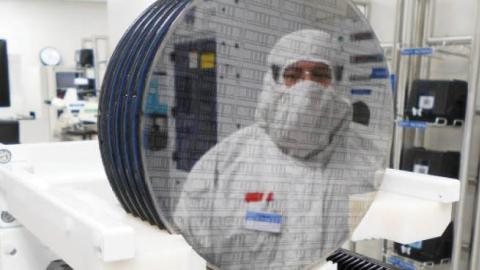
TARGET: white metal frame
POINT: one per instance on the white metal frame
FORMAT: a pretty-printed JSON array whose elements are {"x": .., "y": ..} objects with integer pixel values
[{"x": 466, "y": 152}]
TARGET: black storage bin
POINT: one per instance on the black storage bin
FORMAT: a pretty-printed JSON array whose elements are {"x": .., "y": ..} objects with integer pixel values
[
  {"x": 433, "y": 250},
  {"x": 446, "y": 164},
  {"x": 85, "y": 58},
  {"x": 432, "y": 100},
  {"x": 420, "y": 160},
  {"x": 9, "y": 132}
]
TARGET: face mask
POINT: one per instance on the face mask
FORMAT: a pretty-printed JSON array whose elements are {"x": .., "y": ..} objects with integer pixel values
[{"x": 306, "y": 117}]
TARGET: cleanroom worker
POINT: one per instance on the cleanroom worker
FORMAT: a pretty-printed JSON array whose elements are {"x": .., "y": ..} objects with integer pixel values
[{"x": 275, "y": 195}]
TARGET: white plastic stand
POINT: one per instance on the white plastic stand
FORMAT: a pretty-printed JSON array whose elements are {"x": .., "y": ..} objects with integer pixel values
[
  {"x": 409, "y": 207},
  {"x": 59, "y": 193}
]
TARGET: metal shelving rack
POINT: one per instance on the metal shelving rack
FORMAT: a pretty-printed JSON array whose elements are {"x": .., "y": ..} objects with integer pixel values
[
  {"x": 414, "y": 29},
  {"x": 101, "y": 51}
]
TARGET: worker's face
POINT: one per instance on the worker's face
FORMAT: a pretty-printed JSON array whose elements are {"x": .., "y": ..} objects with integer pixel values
[{"x": 307, "y": 70}]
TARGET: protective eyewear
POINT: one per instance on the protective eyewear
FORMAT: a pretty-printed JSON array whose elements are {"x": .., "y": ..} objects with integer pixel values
[{"x": 320, "y": 73}]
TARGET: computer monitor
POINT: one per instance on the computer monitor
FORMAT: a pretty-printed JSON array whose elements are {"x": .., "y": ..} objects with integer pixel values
[
  {"x": 4, "y": 79},
  {"x": 67, "y": 79}
]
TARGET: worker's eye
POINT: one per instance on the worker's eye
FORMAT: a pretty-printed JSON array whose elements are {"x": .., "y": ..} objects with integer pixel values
[
  {"x": 321, "y": 74},
  {"x": 292, "y": 74}
]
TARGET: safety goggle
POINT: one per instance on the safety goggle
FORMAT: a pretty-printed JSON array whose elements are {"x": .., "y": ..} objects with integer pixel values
[{"x": 320, "y": 73}]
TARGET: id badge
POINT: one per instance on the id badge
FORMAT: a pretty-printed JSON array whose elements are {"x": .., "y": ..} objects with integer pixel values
[{"x": 263, "y": 221}]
